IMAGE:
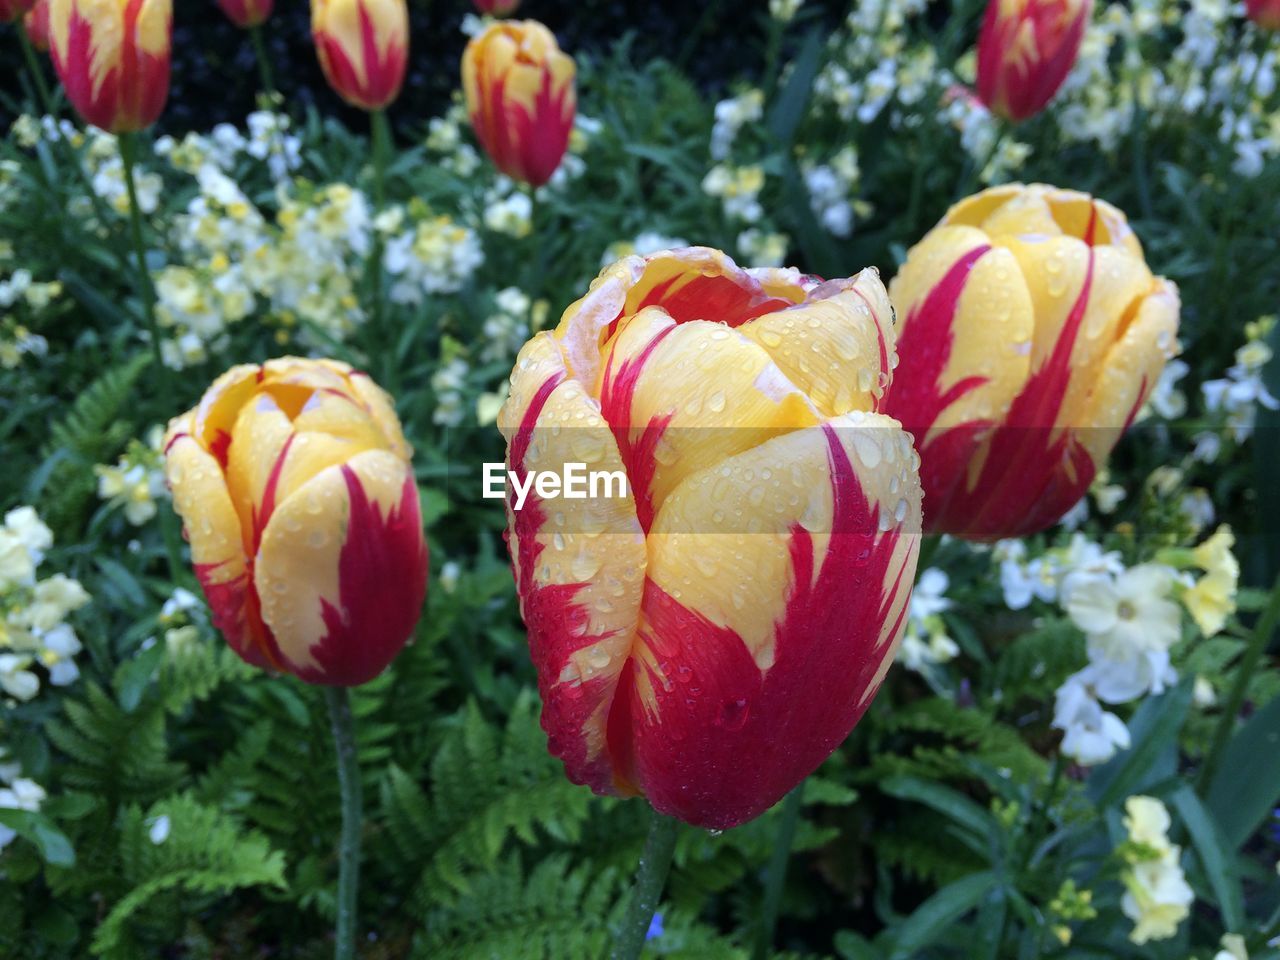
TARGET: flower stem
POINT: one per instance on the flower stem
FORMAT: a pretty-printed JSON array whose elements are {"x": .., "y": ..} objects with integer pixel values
[
  {"x": 774, "y": 880},
  {"x": 651, "y": 876},
  {"x": 33, "y": 65},
  {"x": 1262, "y": 632},
  {"x": 344, "y": 741},
  {"x": 381, "y": 137},
  {"x": 264, "y": 65},
  {"x": 128, "y": 156}
]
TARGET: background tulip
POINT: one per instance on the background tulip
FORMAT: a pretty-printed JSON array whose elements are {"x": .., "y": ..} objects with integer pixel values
[
  {"x": 246, "y": 13},
  {"x": 294, "y": 484},
  {"x": 521, "y": 98},
  {"x": 112, "y": 57},
  {"x": 497, "y": 8},
  {"x": 363, "y": 46},
  {"x": 745, "y": 598},
  {"x": 11, "y": 10},
  {"x": 1265, "y": 13},
  {"x": 1031, "y": 333},
  {"x": 36, "y": 22},
  {"x": 1025, "y": 51}
]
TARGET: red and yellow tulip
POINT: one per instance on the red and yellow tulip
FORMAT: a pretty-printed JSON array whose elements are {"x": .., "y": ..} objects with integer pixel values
[
  {"x": 1264, "y": 13},
  {"x": 246, "y": 13},
  {"x": 1031, "y": 332},
  {"x": 363, "y": 46},
  {"x": 497, "y": 8},
  {"x": 296, "y": 493},
  {"x": 112, "y": 57},
  {"x": 521, "y": 98},
  {"x": 11, "y": 10},
  {"x": 36, "y": 23},
  {"x": 1025, "y": 51},
  {"x": 710, "y": 637}
]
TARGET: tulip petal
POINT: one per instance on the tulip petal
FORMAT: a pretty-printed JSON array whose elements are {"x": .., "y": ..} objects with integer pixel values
[
  {"x": 752, "y": 642},
  {"x": 836, "y": 346},
  {"x": 341, "y": 571}
]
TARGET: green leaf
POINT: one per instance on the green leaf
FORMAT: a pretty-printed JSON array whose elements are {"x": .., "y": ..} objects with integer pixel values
[
  {"x": 1215, "y": 856},
  {"x": 135, "y": 674},
  {"x": 935, "y": 918},
  {"x": 1246, "y": 788},
  {"x": 1153, "y": 732},
  {"x": 789, "y": 108},
  {"x": 978, "y": 824},
  {"x": 52, "y": 843}
]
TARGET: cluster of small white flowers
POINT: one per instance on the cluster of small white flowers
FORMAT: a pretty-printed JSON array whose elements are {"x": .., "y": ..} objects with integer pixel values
[
  {"x": 925, "y": 640},
  {"x": 572, "y": 164},
  {"x": 831, "y": 186},
  {"x": 178, "y": 619},
  {"x": 446, "y": 142},
  {"x": 449, "y": 384},
  {"x": 507, "y": 328},
  {"x": 435, "y": 254},
  {"x": 268, "y": 140},
  {"x": 732, "y": 115},
  {"x": 20, "y": 286},
  {"x": 738, "y": 189},
  {"x": 1239, "y": 394},
  {"x": 650, "y": 241},
  {"x": 16, "y": 339},
  {"x": 762, "y": 248},
  {"x": 32, "y": 611},
  {"x": 980, "y": 137},
  {"x": 17, "y": 793},
  {"x": 1157, "y": 896},
  {"x": 508, "y": 209},
  {"x": 136, "y": 481}
]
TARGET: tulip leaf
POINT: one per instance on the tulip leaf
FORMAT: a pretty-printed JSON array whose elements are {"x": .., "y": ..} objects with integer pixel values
[
  {"x": 1153, "y": 732},
  {"x": 792, "y": 102},
  {"x": 1245, "y": 790},
  {"x": 936, "y": 917},
  {"x": 1215, "y": 856}
]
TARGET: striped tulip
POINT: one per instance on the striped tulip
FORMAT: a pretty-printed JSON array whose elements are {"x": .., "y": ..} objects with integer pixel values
[
  {"x": 11, "y": 10},
  {"x": 1031, "y": 332},
  {"x": 1264, "y": 13},
  {"x": 1025, "y": 51},
  {"x": 246, "y": 13},
  {"x": 709, "y": 637},
  {"x": 520, "y": 95},
  {"x": 36, "y": 23},
  {"x": 296, "y": 493},
  {"x": 363, "y": 46},
  {"x": 497, "y": 8},
  {"x": 112, "y": 57}
]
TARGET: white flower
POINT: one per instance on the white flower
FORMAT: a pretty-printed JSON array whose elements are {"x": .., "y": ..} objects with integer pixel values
[
  {"x": 1233, "y": 948},
  {"x": 731, "y": 116},
  {"x": 16, "y": 680},
  {"x": 28, "y": 527},
  {"x": 158, "y": 832},
  {"x": 1091, "y": 735},
  {"x": 21, "y": 794},
  {"x": 511, "y": 215},
  {"x": 449, "y": 574}
]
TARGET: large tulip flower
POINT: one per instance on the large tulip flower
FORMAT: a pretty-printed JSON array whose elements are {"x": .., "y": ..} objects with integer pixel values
[
  {"x": 11, "y": 10},
  {"x": 708, "y": 638},
  {"x": 1264, "y": 13},
  {"x": 520, "y": 95},
  {"x": 294, "y": 485},
  {"x": 246, "y": 13},
  {"x": 112, "y": 57},
  {"x": 1031, "y": 332},
  {"x": 1025, "y": 51},
  {"x": 363, "y": 46}
]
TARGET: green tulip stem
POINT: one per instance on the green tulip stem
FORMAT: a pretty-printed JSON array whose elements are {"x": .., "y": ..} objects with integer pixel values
[
  {"x": 381, "y": 146},
  {"x": 344, "y": 741},
  {"x": 775, "y": 878},
  {"x": 651, "y": 876},
  {"x": 1248, "y": 666},
  {"x": 264, "y": 65},
  {"x": 128, "y": 156}
]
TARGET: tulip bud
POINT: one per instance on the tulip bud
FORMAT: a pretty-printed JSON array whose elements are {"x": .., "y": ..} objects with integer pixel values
[
  {"x": 1025, "y": 51},
  {"x": 11, "y": 10},
  {"x": 1031, "y": 332},
  {"x": 246, "y": 13},
  {"x": 709, "y": 633},
  {"x": 112, "y": 57},
  {"x": 36, "y": 23},
  {"x": 363, "y": 46},
  {"x": 1264, "y": 13},
  {"x": 497, "y": 8},
  {"x": 296, "y": 493},
  {"x": 521, "y": 98}
]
